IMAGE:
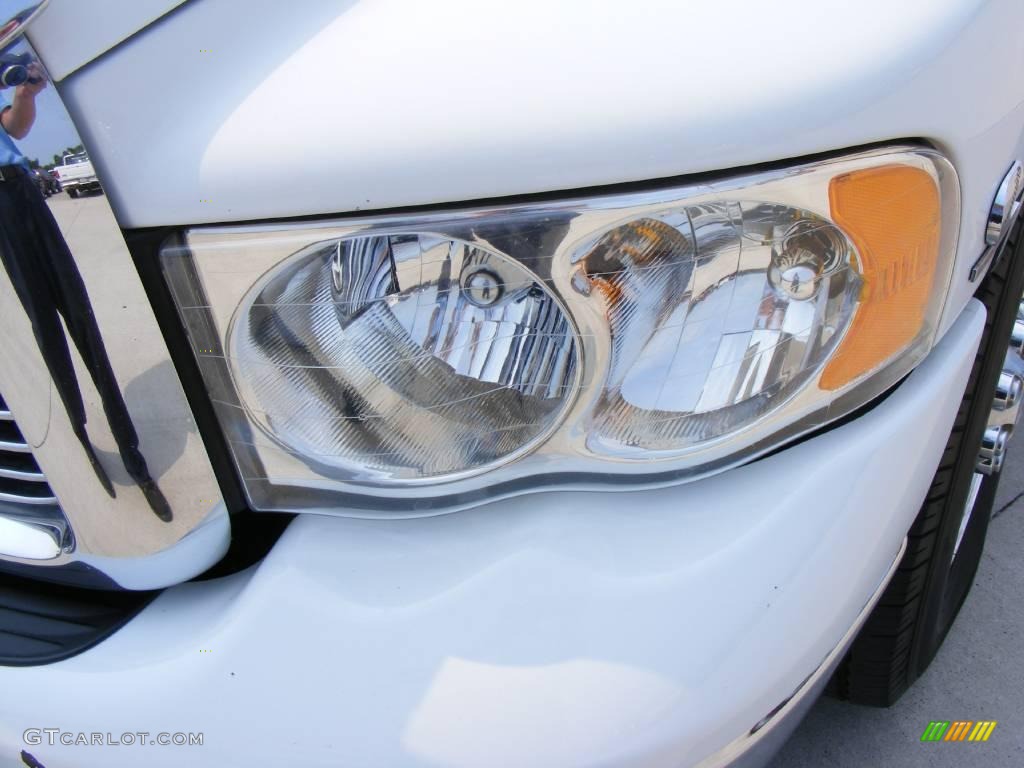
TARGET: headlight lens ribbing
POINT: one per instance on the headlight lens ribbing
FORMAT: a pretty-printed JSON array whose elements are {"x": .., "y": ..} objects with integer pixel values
[{"x": 403, "y": 357}]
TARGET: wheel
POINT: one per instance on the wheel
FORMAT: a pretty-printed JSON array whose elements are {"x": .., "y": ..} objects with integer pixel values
[
  {"x": 72, "y": 193},
  {"x": 944, "y": 545}
]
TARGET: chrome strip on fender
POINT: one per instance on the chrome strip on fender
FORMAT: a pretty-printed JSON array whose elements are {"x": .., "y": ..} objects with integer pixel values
[{"x": 119, "y": 536}]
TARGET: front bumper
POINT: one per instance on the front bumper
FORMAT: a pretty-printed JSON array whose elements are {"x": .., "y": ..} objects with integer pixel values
[{"x": 636, "y": 628}]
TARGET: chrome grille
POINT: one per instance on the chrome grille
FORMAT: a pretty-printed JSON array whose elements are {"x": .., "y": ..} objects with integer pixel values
[{"x": 21, "y": 480}]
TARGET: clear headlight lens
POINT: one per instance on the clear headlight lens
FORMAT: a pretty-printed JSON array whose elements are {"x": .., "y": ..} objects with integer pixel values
[
  {"x": 416, "y": 363},
  {"x": 403, "y": 356},
  {"x": 716, "y": 314}
]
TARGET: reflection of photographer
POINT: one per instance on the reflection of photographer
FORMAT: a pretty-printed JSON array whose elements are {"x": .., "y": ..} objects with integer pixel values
[
  {"x": 15, "y": 70},
  {"x": 17, "y": 118},
  {"x": 50, "y": 288}
]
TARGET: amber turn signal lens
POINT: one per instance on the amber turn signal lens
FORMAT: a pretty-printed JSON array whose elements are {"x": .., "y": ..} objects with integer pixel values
[{"x": 892, "y": 214}]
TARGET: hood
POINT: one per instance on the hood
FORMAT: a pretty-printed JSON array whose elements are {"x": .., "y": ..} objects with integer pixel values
[{"x": 223, "y": 112}]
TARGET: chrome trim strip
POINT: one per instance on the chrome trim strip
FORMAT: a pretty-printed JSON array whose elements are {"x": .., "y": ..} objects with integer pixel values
[
  {"x": 118, "y": 534},
  {"x": 751, "y": 748},
  {"x": 32, "y": 539},
  {"x": 17, "y": 474},
  {"x": 17, "y": 498},
  {"x": 6, "y": 416},
  {"x": 1007, "y": 203},
  {"x": 1005, "y": 209}
]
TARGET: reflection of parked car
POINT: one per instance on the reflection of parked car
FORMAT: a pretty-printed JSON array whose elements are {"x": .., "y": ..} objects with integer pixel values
[
  {"x": 52, "y": 180},
  {"x": 46, "y": 181},
  {"x": 77, "y": 175}
]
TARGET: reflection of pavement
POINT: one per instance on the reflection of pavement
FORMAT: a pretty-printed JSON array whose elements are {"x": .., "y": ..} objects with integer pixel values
[
  {"x": 978, "y": 673},
  {"x": 94, "y": 238},
  {"x": 150, "y": 384}
]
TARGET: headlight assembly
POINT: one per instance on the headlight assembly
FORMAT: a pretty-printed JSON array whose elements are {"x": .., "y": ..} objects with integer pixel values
[{"x": 416, "y": 363}]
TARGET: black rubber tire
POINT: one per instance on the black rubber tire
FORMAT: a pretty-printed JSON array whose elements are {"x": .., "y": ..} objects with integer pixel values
[{"x": 906, "y": 628}]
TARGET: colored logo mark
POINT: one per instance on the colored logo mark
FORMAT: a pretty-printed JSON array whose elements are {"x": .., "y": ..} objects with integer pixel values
[{"x": 958, "y": 730}]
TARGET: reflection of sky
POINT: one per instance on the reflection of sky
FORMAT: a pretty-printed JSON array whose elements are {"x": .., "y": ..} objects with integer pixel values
[{"x": 53, "y": 130}]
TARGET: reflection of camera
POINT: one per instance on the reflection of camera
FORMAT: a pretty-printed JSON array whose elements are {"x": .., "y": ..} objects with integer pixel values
[{"x": 14, "y": 69}]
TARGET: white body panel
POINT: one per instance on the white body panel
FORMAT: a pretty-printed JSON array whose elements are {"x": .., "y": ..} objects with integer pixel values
[
  {"x": 70, "y": 33},
  {"x": 648, "y": 628},
  {"x": 374, "y": 105}
]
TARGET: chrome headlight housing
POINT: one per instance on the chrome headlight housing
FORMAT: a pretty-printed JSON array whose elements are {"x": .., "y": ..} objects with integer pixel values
[{"x": 415, "y": 363}]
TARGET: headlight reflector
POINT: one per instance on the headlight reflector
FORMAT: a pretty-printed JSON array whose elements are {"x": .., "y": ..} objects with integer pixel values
[
  {"x": 716, "y": 312},
  {"x": 403, "y": 357},
  {"x": 416, "y": 363}
]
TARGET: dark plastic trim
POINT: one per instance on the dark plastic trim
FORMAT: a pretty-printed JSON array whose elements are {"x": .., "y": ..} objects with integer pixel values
[{"x": 43, "y": 623}]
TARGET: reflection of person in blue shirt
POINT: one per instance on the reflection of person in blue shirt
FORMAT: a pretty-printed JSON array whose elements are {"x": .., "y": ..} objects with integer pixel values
[
  {"x": 50, "y": 288},
  {"x": 18, "y": 117}
]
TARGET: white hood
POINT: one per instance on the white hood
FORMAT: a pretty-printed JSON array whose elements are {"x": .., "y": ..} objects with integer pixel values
[{"x": 225, "y": 111}]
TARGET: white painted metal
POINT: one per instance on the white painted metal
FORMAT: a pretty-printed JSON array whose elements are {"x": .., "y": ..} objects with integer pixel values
[
  {"x": 350, "y": 106},
  {"x": 648, "y": 628},
  {"x": 70, "y": 33}
]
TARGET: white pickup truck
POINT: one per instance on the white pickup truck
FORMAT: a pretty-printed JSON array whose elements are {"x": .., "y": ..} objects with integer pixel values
[
  {"x": 569, "y": 384},
  {"x": 76, "y": 175}
]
